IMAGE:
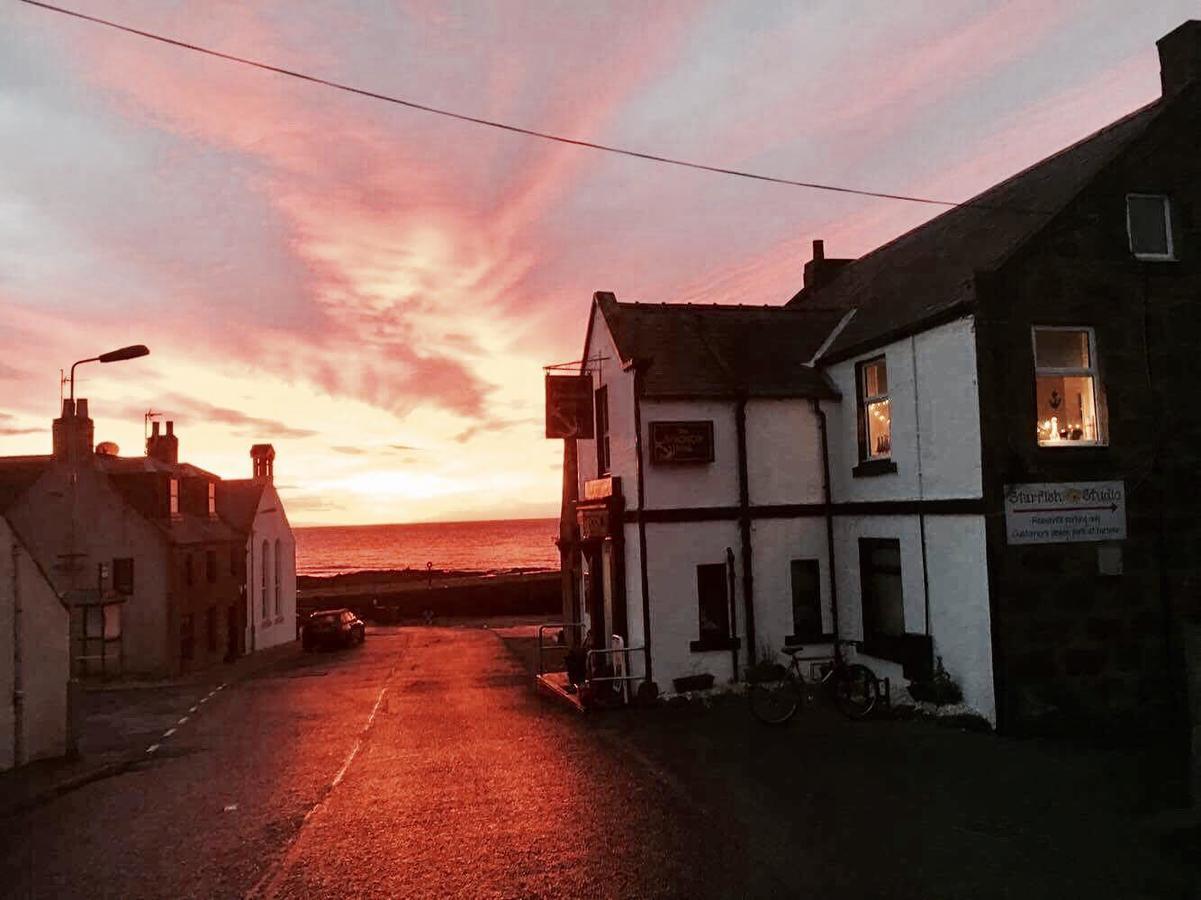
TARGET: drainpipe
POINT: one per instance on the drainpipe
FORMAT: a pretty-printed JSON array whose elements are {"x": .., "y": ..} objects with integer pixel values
[
  {"x": 744, "y": 528},
  {"x": 637, "y": 366},
  {"x": 921, "y": 483},
  {"x": 821, "y": 424},
  {"x": 18, "y": 698},
  {"x": 733, "y": 609}
]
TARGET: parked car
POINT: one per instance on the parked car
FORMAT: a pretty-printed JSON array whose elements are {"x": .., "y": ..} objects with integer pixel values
[{"x": 332, "y": 628}]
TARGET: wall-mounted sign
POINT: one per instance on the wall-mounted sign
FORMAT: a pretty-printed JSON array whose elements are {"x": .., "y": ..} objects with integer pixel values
[
  {"x": 1065, "y": 512},
  {"x": 594, "y": 523},
  {"x": 681, "y": 442},
  {"x": 569, "y": 406},
  {"x": 602, "y": 488}
]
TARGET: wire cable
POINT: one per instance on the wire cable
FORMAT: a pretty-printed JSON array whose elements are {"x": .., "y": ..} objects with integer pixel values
[{"x": 504, "y": 126}]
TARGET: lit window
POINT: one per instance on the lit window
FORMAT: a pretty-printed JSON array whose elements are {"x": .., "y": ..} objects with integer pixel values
[
  {"x": 263, "y": 563},
  {"x": 1149, "y": 224},
  {"x": 278, "y": 579},
  {"x": 875, "y": 410},
  {"x": 174, "y": 507},
  {"x": 1065, "y": 379}
]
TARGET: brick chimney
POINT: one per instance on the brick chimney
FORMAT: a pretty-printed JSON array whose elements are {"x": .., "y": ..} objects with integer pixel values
[
  {"x": 163, "y": 447},
  {"x": 263, "y": 461},
  {"x": 73, "y": 432},
  {"x": 1180, "y": 57},
  {"x": 820, "y": 271}
]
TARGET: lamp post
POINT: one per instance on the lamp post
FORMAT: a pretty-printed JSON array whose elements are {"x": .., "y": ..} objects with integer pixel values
[{"x": 133, "y": 351}]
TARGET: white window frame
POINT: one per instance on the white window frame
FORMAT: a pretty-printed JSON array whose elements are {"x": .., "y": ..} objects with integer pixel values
[
  {"x": 173, "y": 500},
  {"x": 865, "y": 402},
  {"x": 1167, "y": 222},
  {"x": 212, "y": 499},
  {"x": 1092, "y": 371}
]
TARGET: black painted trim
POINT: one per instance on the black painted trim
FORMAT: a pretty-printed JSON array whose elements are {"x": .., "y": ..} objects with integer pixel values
[
  {"x": 707, "y": 645},
  {"x": 962, "y": 507},
  {"x": 872, "y": 467},
  {"x": 957, "y": 310}
]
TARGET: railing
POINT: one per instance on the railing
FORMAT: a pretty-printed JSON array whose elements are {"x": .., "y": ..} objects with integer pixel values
[
  {"x": 621, "y": 667},
  {"x": 562, "y": 646}
]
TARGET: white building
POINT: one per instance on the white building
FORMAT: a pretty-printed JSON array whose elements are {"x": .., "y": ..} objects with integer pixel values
[
  {"x": 253, "y": 507},
  {"x": 34, "y": 656}
]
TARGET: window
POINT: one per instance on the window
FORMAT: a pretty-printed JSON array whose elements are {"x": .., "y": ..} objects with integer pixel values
[
  {"x": 174, "y": 501},
  {"x": 123, "y": 575},
  {"x": 713, "y": 608},
  {"x": 210, "y": 623},
  {"x": 603, "y": 459},
  {"x": 806, "y": 601},
  {"x": 1065, "y": 385},
  {"x": 1149, "y": 224},
  {"x": 263, "y": 577},
  {"x": 883, "y": 598},
  {"x": 875, "y": 410},
  {"x": 212, "y": 498},
  {"x": 210, "y": 566},
  {"x": 277, "y": 578},
  {"x": 187, "y": 568}
]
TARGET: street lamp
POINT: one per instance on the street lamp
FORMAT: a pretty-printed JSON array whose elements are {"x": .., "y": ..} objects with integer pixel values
[{"x": 133, "y": 351}]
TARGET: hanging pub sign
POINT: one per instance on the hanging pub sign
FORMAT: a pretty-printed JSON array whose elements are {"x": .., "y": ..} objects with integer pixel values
[
  {"x": 593, "y": 522},
  {"x": 569, "y": 406},
  {"x": 681, "y": 442}
]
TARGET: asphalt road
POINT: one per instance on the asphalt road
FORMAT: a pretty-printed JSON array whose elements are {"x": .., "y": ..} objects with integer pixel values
[{"x": 420, "y": 764}]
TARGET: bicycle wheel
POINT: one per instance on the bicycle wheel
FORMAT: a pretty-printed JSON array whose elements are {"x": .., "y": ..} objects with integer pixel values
[
  {"x": 775, "y": 702},
  {"x": 856, "y": 690}
]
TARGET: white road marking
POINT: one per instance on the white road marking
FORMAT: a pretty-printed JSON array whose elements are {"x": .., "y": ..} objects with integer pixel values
[
  {"x": 152, "y": 748},
  {"x": 231, "y": 807},
  {"x": 193, "y": 708},
  {"x": 168, "y": 732},
  {"x": 182, "y": 721},
  {"x": 359, "y": 741},
  {"x": 204, "y": 699}
]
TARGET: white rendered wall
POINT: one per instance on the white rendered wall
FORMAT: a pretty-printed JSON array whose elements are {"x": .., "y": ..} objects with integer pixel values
[
  {"x": 958, "y": 579},
  {"x": 692, "y": 484},
  {"x": 784, "y": 453},
  {"x": 775, "y": 543},
  {"x": 943, "y": 399},
  {"x": 45, "y": 656},
  {"x": 608, "y": 372},
  {"x": 271, "y": 524}
]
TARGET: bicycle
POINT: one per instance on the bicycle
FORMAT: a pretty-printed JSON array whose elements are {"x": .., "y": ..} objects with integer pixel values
[{"x": 854, "y": 687}]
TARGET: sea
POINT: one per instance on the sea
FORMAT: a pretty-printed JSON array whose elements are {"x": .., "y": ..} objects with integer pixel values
[{"x": 463, "y": 546}]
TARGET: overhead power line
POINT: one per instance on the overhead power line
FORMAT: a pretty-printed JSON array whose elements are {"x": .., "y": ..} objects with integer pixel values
[{"x": 503, "y": 126}]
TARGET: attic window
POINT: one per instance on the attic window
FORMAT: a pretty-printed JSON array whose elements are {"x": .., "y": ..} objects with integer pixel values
[
  {"x": 1149, "y": 224},
  {"x": 212, "y": 498},
  {"x": 174, "y": 501}
]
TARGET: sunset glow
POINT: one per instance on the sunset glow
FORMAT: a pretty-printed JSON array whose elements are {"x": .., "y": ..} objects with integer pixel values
[{"x": 375, "y": 290}]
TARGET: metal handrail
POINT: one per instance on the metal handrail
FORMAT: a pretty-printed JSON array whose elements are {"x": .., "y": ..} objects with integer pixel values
[
  {"x": 541, "y": 646},
  {"x": 610, "y": 650}
]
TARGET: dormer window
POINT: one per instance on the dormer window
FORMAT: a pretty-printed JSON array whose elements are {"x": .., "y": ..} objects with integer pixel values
[
  {"x": 1149, "y": 224},
  {"x": 174, "y": 501},
  {"x": 212, "y": 498}
]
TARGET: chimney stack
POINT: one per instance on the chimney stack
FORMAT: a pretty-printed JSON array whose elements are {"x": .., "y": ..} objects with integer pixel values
[
  {"x": 163, "y": 447},
  {"x": 73, "y": 432},
  {"x": 820, "y": 271},
  {"x": 1180, "y": 57},
  {"x": 263, "y": 462}
]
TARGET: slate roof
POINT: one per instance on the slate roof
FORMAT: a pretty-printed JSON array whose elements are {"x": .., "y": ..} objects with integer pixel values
[
  {"x": 132, "y": 465},
  {"x": 721, "y": 351},
  {"x": 930, "y": 271},
  {"x": 17, "y": 475},
  {"x": 237, "y": 502}
]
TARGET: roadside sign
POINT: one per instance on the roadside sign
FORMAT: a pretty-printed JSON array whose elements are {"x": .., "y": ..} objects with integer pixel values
[
  {"x": 1065, "y": 512},
  {"x": 569, "y": 406}
]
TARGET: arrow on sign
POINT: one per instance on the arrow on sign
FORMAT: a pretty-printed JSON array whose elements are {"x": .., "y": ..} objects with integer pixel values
[{"x": 1113, "y": 507}]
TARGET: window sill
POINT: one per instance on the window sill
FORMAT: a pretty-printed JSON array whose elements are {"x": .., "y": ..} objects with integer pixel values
[
  {"x": 708, "y": 644},
  {"x": 800, "y": 640},
  {"x": 872, "y": 467}
]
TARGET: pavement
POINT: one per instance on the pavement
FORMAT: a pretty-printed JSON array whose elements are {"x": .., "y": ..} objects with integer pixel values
[{"x": 422, "y": 764}]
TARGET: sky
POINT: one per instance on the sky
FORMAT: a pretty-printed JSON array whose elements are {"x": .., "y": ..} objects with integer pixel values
[{"x": 375, "y": 290}]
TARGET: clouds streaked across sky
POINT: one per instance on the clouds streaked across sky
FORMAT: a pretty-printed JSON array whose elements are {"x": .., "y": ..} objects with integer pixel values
[{"x": 375, "y": 290}]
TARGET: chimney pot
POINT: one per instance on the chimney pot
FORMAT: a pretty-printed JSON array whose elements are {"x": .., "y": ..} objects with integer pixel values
[
  {"x": 154, "y": 429},
  {"x": 81, "y": 409},
  {"x": 170, "y": 427},
  {"x": 1180, "y": 57},
  {"x": 819, "y": 249}
]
